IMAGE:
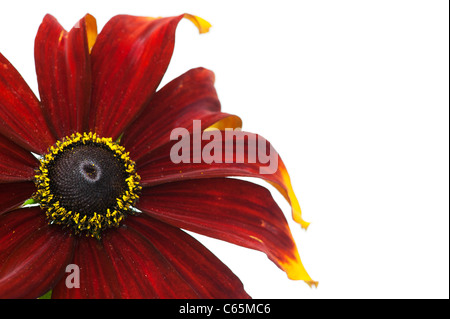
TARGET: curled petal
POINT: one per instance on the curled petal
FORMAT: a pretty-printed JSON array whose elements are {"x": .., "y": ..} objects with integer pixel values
[
  {"x": 232, "y": 210},
  {"x": 129, "y": 59},
  {"x": 63, "y": 68},
  {"x": 203, "y": 271},
  {"x": 220, "y": 122},
  {"x": 34, "y": 265},
  {"x": 189, "y": 97},
  {"x": 201, "y": 24},
  {"x": 21, "y": 117},
  {"x": 233, "y": 154}
]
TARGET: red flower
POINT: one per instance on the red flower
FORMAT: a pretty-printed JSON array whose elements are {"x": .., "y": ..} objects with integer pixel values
[{"x": 94, "y": 152}]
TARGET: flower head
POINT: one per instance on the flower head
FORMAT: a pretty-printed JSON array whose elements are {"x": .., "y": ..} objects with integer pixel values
[{"x": 87, "y": 177}]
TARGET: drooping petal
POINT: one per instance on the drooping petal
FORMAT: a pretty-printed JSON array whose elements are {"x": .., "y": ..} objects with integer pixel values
[
  {"x": 14, "y": 194},
  {"x": 98, "y": 279},
  {"x": 250, "y": 155},
  {"x": 63, "y": 70},
  {"x": 203, "y": 271},
  {"x": 33, "y": 265},
  {"x": 16, "y": 164},
  {"x": 129, "y": 59},
  {"x": 189, "y": 97},
  {"x": 21, "y": 117},
  {"x": 142, "y": 271},
  {"x": 232, "y": 210}
]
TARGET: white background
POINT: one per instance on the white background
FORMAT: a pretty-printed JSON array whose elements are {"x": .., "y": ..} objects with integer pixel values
[{"x": 352, "y": 94}]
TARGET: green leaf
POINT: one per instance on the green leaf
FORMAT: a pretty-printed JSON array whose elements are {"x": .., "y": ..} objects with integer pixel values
[
  {"x": 47, "y": 295},
  {"x": 30, "y": 202}
]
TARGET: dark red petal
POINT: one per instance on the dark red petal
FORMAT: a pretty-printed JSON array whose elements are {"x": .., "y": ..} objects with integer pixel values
[
  {"x": 21, "y": 118},
  {"x": 63, "y": 70},
  {"x": 36, "y": 264},
  {"x": 129, "y": 59},
  {"x": 98, "y": 279},
  {"x": 141, "y": 269},
  {"x": 158, "y": 167},
  {"x": 14, "y": 194},
  {"x": 204, "y": 272},
  {"x": 16, "y": 226},
  {"x": 189, "y": 97},
  {"x": 232, "y": 210},
  {"x": 16, "y": 164}
]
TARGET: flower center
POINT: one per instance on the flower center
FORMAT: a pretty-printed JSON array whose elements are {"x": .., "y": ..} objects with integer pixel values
[{"x": 87, "y": 183}]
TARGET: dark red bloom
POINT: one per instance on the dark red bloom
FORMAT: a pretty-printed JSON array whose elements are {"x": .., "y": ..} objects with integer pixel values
[{"x": 94, "y": 152}]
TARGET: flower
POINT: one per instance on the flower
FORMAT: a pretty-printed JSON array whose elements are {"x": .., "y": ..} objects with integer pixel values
[{"x": 93, "y": 155}]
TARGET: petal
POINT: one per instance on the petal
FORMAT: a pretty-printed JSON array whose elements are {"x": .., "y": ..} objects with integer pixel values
[
  {"x": 98, "y": 279},
  {"x": 63, "y": 70},
  {"x": 14, "y": 194},
  {"x": 16, "y": 164},
  {"x": 243, "y": 157},
  {"x": 129, "y": 59},
  {"x": 141, "y": 269},
  {"x": 21, "y": 118},
  {"x": 189, "y": 97},
  {"x": 204, "y": 272},
  {"x": 16, "y": 226},
  {"x": 36, "y": 264},
  {"x": 232, "y": 210}
]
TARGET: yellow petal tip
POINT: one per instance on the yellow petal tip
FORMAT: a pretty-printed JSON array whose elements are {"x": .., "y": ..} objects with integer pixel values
[
  {"x": 299, "y": 220},
  {"x": 202, "y": 25},
  {"x": 290, "y": 196},
  {"x": 91, "y": 30},
  {"x": 295, "y": 270},
  {"x": 232, "y": 121},
  {"x": 312, "y": 283}
]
